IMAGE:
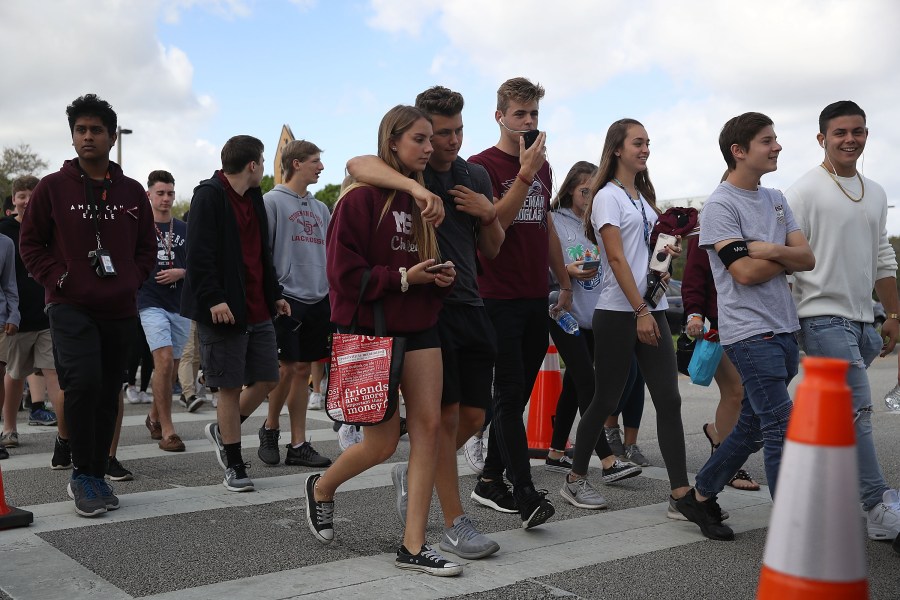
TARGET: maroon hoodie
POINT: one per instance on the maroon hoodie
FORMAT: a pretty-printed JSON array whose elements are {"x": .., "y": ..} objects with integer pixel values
[
  {"x": 357, "y": 241},
  {"x": 58, "y": 232}
]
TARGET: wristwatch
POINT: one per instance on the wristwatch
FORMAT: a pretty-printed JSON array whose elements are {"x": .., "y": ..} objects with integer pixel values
[{"x": 894, "y": 316}]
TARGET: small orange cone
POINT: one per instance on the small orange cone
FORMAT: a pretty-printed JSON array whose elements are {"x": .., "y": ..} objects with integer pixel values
[
  {"x": 12, "y": 517},
  {"x": 542, "y": 405},
  {"x": 815, "y": 547}
]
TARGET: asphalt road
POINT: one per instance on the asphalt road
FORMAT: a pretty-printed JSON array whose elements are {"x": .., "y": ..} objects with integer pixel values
[{"x": 180, "y": 534}]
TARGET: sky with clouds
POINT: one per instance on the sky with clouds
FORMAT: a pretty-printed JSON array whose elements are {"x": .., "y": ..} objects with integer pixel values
[{"x": 185, "y": 75}]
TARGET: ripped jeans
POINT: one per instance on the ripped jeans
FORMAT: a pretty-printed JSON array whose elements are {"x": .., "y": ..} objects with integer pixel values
[
  {"x": 767, "y": 363},
  {"x": 859, "y": 343}
]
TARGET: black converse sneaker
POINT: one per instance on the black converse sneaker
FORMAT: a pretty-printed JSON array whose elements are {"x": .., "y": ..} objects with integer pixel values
[
  {"x": 426, "y": 561},
  {"x": 319, "y": 515}
]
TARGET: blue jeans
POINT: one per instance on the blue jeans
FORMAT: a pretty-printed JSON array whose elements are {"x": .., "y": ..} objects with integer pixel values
[
  {"x": 859, "y": 343},
  {"x": 767, "y": 363}
]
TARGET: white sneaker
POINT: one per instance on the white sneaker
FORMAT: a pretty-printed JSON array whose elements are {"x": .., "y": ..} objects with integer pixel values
[
  {"x": 316, "y": 401},
  {"x": 883, "y": 521},
  {"x": 474, "y": 451},
  {"x": 349, "y": 435},
  {"x": 146, "y": 397},
  {"x": 214, "y": 399},
  {"x": 132, "y": 394}
]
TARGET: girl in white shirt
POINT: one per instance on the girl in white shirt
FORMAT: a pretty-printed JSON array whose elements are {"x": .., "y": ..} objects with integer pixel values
[{"x": 623, "y": 214}]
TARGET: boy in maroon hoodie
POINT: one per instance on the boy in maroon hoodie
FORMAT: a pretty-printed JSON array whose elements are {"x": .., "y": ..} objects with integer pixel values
[{"x": 87, "y": 237}]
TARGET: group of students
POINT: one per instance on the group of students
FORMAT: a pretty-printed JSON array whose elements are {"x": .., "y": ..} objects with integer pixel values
[
  {"x": 754, "y": 244},
  {"x": 265, "y": 278}
]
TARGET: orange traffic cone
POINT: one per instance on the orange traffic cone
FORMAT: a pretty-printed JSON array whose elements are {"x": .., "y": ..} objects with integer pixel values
[
  {"x": 12, "y": 517},
  {"x": 542, "y": 405},
  {"x": 815, "y": 546}
]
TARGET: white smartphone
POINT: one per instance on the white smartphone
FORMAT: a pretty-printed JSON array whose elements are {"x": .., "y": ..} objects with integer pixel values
[{"x": 660, "y": 259}]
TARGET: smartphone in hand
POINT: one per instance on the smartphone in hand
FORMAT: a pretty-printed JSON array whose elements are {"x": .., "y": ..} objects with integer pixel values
[{"x": 438, "y": 268}]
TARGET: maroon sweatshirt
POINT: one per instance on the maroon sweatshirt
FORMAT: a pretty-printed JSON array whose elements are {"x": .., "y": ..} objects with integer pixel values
[
  {"x": 356, "y": 241},
  {"x": 58, "y": 232},
  {"x": 698, "y": 290}
]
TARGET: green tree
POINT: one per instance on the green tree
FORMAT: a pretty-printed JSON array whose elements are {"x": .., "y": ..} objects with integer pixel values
[
  {"x": 328, "y": 195},
  {"x": 180, "y": 207},
  {"x": 15, "y": 162},
  {"x": 267, "y": 183}
]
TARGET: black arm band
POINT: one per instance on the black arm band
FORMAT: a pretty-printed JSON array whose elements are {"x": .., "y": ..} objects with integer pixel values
[{"x": 733, "y": 251}]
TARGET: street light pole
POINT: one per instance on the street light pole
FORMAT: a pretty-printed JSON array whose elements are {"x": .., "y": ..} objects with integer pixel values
[{"x": 119, "y": 133}]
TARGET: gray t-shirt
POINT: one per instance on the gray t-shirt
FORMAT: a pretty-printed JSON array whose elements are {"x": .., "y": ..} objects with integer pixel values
[
  {"x": 732, "y": 213},
  {"x": 457, "y": 234}
]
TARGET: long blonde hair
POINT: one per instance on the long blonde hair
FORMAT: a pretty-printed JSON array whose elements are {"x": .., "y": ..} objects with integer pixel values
[{"x": 393, "y": 125}]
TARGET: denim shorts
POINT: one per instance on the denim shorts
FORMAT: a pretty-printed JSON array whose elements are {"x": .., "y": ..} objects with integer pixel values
[{"x": 163, "y": 328}]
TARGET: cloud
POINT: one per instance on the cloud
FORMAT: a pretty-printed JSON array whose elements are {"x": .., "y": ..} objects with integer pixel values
[
  {"x": 403, "y": 16},
  {"x": 110, "y": 49},
  {"x": 683, "y": 68}
]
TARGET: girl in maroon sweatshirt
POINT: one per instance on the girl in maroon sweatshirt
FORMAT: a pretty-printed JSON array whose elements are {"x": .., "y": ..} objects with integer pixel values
[{"x": 387, "y": 233}]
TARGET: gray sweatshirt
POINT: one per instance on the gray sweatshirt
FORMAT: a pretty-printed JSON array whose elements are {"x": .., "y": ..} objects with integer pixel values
[
  {"x": 9, "y": 291},
  {"x": 297, "y": 227}
]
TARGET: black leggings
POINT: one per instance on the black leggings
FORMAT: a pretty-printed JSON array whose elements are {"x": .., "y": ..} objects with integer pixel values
[
  {"x": 578, "y": 388},
  {"x": 615, "y": 337}
]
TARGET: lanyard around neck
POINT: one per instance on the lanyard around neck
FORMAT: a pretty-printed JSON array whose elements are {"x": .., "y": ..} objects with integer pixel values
[
  {"x": 635, "y": 203},
  {"x": 166, "y": 241}
]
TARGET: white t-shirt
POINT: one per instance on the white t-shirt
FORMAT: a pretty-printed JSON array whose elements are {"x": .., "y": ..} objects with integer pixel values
[{"x": 612, "y": 206}]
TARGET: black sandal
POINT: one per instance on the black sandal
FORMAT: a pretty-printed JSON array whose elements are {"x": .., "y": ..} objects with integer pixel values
[
  {"x": 744, "y": 476},
  {"x": 712, "y": 447}
]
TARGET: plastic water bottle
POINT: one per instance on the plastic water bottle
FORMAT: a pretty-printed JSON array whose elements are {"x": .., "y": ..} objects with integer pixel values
[
  {"x": 563, "y": 317},
  {"x": 565, "y": 320},
  {"x": 892, "y": 399}
]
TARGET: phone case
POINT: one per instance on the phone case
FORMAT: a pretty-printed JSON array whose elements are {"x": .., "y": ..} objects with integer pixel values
[{"x": 660, "y": 259}]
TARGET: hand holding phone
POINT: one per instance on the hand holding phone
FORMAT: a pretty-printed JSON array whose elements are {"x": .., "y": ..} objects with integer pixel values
[
  {"x": 530, "y": 137},
  {"x": 587, "y": 265},
  {"x": 438, "y": 267}
]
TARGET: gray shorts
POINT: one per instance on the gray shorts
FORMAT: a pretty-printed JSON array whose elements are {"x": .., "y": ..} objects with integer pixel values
[{"x": 233, "y": 358}]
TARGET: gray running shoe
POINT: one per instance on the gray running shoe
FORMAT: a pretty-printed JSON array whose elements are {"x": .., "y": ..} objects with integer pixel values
[
  {"x": 582, "y": 494},
  {"x": 9, "y": 439},
  {"x": 237, "y": 480},
  {"x": 88, "y": 502},
  {"x": 633, "y": 453},
  {"x": 614, "y": 439},
  {"x": 673, "y": 513},
  {"x": 268, "y": 446},
  {"x": 464, "y": 540},
  {"x": 212, "y": 434},
  {"x": 106, "y": 493},
  {"x": 398, "y": 475}
]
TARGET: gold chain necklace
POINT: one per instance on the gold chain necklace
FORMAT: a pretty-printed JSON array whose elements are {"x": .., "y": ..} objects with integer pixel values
[{"x": 862, "y": 185}]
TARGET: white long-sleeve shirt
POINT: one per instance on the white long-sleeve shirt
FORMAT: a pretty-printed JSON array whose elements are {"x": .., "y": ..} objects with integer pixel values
[{"x": 849, "y": 240}]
